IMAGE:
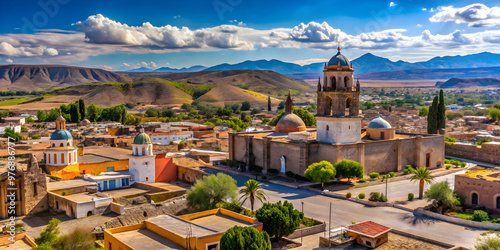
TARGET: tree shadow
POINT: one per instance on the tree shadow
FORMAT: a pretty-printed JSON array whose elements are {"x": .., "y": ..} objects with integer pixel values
[{"x": 417, "y": 219}]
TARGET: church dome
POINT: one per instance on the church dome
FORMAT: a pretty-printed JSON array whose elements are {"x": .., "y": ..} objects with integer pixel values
[
  {"x": 379, "y": 122},
  {"x": 142, "y": 138},
  {"x": 290, "y": 123},
  {"x": 85, "y": 122},
  {"x": 61, "y": 135},
  {"x": 334, "y": 61}
]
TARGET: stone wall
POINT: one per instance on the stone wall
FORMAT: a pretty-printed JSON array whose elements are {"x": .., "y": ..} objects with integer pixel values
[
  {"x": 35, "y": 188},
  {"x": 189, "y": 174},
  {"x": 58, "y": 203},
  {"x": 163, "y": 196},
  {"x": 487, "y": 190},
  {"x": 487, "y": 152}
]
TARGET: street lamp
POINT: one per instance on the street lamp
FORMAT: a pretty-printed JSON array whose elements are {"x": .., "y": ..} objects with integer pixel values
[{"x": 301, "y": 230}]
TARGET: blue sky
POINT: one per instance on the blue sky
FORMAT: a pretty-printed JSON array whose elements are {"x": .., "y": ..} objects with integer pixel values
[{"x": 119, "y": 35}]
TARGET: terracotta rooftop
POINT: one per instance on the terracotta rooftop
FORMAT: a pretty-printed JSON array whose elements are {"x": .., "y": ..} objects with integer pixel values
[{"x": 368, "y": 228}]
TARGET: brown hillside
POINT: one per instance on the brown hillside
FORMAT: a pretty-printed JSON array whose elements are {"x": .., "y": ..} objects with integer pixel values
[
  {"x": 106, "y": 95},
  {"x": 226, "y": 94},
  {"x": 30, "y": 77},
  {"x": 262, "y": 81}
]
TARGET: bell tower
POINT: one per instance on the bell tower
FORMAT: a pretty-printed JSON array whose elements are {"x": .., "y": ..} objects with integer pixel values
[{"x": 338, "y": 119}]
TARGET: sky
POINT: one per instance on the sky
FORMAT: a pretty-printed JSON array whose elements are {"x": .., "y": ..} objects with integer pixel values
[{"x": 121, "y": 35}]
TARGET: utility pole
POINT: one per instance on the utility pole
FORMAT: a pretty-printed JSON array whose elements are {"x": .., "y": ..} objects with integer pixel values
[
  {"x": 301, "y": 230},
  {"x": 329, "y": 228},
  {"x": 386, "y": 180}
]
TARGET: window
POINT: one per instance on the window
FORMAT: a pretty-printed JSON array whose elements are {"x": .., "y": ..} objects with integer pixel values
[
  {"x": 61, "y": 145},
  {"x": 110, "y": 169},
  {"x": 49, "y": 159},
  {"x": 35, "y": 192},
  {"x": 55, "y": 158},
  {"x": 475, "y": 199},
  {"x": 213, "y": 246},
  {"x": 147, "y": 178},
  {"x": 109, "y": 246},
  {"x": 327, "y": 127},
  {"x": 382, "y": 135},
  {"x": 69, "y": 158},
  {"x": 62, "y": 158},
  {"x": 498, "y": 202},
  {"x": 57, "y": 205},
  {"x": 84, "y": 171},
  {"x": 105, "y": 185}
]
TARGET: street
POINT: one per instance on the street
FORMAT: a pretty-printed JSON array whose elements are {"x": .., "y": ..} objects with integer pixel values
[{"x": 343, "y": 212}]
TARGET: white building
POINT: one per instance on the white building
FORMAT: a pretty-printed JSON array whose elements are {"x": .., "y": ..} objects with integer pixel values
[
  {"x": 15, "y": 127},
  {"x": 166, "y": 137},
  {"x": 61, "y": 151},
  {"x": 142, "y": 161}
]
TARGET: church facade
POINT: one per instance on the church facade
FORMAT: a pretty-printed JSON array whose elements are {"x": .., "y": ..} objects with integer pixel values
[{"x": 338, "y": 134}]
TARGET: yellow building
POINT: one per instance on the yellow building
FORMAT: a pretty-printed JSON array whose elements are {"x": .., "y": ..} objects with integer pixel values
[{"x": 200, "y": 231}]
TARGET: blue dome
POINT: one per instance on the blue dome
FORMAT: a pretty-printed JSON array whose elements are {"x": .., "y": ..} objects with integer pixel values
[
  {"x": 334, "y": 61},
  {"x": 379, "y": 122},
  {"x": 142, "y": 138},
  {"x": 61, "y": 135}
]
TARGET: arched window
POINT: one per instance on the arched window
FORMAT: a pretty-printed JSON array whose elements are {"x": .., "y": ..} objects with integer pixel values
[
  {"x": 74, "y": 153},
  {"x": 143, "y": 150},
  {"x": 327, "y": 127},
  {"x": 62, "y": 158},
  {"x": 55, "y": 158},
  {"x": 475, "y": 199},
  {"x": 334, "y": 83},
  {"x": 53, "y": 145},
  {"x": 498, "y": 202},
  {"x": 48, "y": 161},
  {"x": 147, "y": 178},
  {"x": 69, "y": 158},
  {"x": 346, "y": 80},
  {"x": 348, "y": 105},
  {"x": 61, "y": 145}
]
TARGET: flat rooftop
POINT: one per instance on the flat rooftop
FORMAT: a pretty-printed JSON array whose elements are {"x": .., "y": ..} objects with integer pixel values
[
  {"x": 58, "y": 185},
  {"x": 109, "y": 152},
  {"x": 84, "y": 197},
  {"x": 490, "y": 174},
  {"x": 145, "y": 239},
  {"x": 180, "y": 226},
  {"x": 219, "y": 222}
]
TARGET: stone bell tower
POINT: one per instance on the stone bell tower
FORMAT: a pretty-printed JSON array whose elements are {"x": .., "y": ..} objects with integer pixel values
[{"x": 338, "y": 119}]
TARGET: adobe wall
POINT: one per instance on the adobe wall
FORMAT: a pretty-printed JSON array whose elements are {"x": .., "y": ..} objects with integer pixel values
[
  {"x": 487, "y": 191},
  {"x": 34, "y": 202},
  {"x": 189, "y": 174},
  {"x": 487, "y": 152},
  {"x": 381, "y": 157},
  {"x": 291, "y": 151},
  {"x": 59, "y": 203}
]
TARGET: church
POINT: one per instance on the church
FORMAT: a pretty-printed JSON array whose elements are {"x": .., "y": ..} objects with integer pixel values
[{"x": 292, "y": 146}]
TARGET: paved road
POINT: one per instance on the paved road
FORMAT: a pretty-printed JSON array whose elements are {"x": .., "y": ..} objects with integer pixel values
[
  {"x": 343, "y": 212},
  {"x": 399, "y": 190}
]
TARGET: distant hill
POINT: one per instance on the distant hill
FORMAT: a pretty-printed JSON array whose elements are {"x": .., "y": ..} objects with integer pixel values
[
  {"x": 416, "y": 74},
  {"x": 262, "y": 81},
  {"x": 367, "y": 63},
  {"x": 469, "y": 82},
  {"x": 29, "y": 77},
  {"x": 141, "y": 69}
]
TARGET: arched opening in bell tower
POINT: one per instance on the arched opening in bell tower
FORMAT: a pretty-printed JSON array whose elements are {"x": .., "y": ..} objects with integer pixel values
[
  {"x": 348, "y": 105},
  {"x": 346, "y": 80},
  {"x": 334, "y": 83},
  {"x": 328, "y": 106}
]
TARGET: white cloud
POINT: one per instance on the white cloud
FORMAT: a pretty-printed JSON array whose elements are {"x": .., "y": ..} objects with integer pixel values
[
  {"x": 144, "y": 64},
  {"x": 105, "y": 67},
  {"x": 475, "y": 15},
  {"x": 8, "y": 60},
  {"x": 432, "y": 10},
  {"x": 102, "y": 30},
  {"x": 392, "y": 4},
  {"x": 126, "y": 65},
  {"x": 419, "y": 25},
  {"x": 424, "y": 9},
  {"x": 152, "y": 64},
  {"x": 178, "y": 16}
]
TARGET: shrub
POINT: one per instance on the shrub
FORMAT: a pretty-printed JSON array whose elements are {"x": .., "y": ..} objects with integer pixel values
[
  {"x": 240, "y": 238},
  {"x": 448, "y": 166},
  {"x": 36, "y": 137},
  {"x": 211, "y": 190},
  {"x": 446, "y": 161},
  {"x": 273, "y": 171},
  {"x": 374, "y": 175},
  {"x": 309, "y": 222},
  {"x": 362, "y": 181},
  {"x": 348, "y": 195},
  {"x": 289, "y": 174},
  {"x": 384, "y": 176},
  {"x": 408, "y": 167},
  {"x": 321, "y": 172},
  {"x": 480, "y": 215},
  {"x": 411, "y": 196},
  {"x": 361, "y": 196},
  {"x": 234, "y": 206},
  {"x": 460, "y": 199},
  {"x": 349, "y": 169},
  {"x": 248, "y": 212},
  {"x": 374, "y": 196},
  {"x": 64, "y": 193},
  {"x": 406, "y": 171},
  {"x": 280, "y": 219},
  {"x": 463, "y": 164},
  {"x": 382, "y": 198},
  {"x": 392, "y": 174}
]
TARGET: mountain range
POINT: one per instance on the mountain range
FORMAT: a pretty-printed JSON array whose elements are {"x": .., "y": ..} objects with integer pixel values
[{"x": 367, "y": 63}]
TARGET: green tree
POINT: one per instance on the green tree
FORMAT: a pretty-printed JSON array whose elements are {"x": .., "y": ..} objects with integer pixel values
[
  {"x": 349, "y": 169},
  {"x": 243, "y": 238},
  {"x": 36, "y": 137},
  {"x": 245, "y": 106},
  {"x": 53, "y": 114},
  {"x": 268, "y": 103},
  {"x": 322, "y": 172},
  {"x": 280, "y": 219},
  {"x": 81, "y": 108},
  {"x": 432, "y": 120},
  {"x": 168, "y": 113},
  {"x": 441, "y": 111},
  {"x": 41, "y": 115},
  {"x": 441, "y": 196},
  {"x": 494, "y": 113},
  {"x": 369, "y": 105},
  {"x": 480, "y": 141},
  {"x": 77, "y": 240},
  {"x": 422, "y": 175},
  {"x": 281, "y": 105},
  {"x": 251, "y": 191},
  {"x": 152, "y": 113},
  {"x": 94, "y": 113},
  {"x": 213, "y": 189},
  {"x": 50, "y": 234},
  {"x": 307, "y": 117},
  {"x": 255, "y": 111},
  {"x": 9, "y": 132},
  {"x": 423, "y": 111},
  {"x": 75, "y": 113}
]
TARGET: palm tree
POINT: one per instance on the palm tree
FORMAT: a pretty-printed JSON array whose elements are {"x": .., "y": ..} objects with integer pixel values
[
  {"x": 422, "y": 175},
  {"x": 251, "y": 191}
]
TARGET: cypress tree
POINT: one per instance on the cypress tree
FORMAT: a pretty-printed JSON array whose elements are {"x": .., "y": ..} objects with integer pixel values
[
  {"x": 441, "y": 111},
  {"x": 74, "y": 112},
  {"x": 81, "y": 108},
  {"x": 432, "y": 117},
  {"x": 268, "y": 103}
]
